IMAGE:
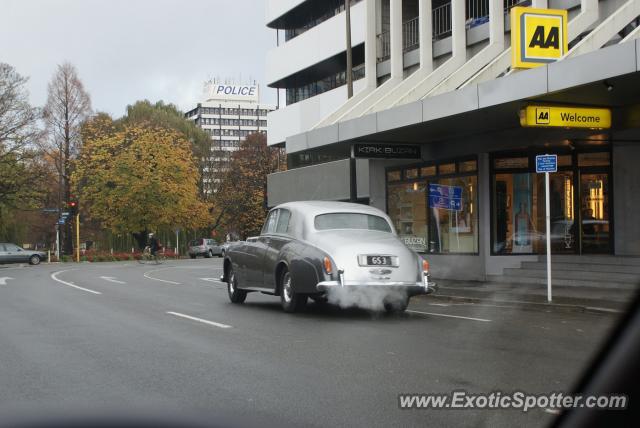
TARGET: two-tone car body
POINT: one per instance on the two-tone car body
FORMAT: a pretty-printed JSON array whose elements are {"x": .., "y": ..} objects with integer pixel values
[{"x": 315, "y": 248}]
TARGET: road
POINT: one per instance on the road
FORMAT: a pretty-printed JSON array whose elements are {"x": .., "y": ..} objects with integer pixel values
[{"x": 126, "y": 335}]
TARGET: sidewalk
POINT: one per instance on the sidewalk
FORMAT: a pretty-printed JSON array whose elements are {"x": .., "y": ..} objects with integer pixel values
[{"x": 600, "y": 299}]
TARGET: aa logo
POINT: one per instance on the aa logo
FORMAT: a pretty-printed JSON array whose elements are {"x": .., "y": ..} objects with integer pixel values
[
  {"x": 542, "y": 116},
  {"x": 538, "y": 36},
  {"x": 551, "y": 41}
]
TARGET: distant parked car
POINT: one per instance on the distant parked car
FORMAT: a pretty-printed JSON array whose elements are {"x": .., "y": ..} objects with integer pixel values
[
  {"x": 316, "y": 249},
  {"x": 11, "y": 253},
  {"x": 204, "y": 247}
]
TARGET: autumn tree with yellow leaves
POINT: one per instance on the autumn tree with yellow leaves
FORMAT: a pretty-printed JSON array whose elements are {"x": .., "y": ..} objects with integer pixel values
[{"x": 138, "y": 177}]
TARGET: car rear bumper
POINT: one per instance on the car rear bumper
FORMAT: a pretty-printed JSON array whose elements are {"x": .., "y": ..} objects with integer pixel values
[{"x": 411, "y": 288}]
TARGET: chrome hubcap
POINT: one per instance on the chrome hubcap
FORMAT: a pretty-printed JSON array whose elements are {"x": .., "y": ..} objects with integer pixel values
[{"x": 287, "y": 292}]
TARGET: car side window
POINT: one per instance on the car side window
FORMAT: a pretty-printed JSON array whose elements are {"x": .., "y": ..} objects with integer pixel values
[
  {"x": 283, "y": 221},
  {"x": 270, "y": 224}
]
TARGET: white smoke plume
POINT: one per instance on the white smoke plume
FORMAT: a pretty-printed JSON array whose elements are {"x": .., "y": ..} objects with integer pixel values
[{"x": 370, "y": 298}]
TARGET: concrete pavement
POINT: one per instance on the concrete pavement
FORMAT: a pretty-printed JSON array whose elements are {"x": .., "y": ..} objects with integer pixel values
[{"x": 125, "y": 335}]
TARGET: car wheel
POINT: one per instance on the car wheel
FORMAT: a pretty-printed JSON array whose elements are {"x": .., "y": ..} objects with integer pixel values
[
  {"x": 235, "y": 294},
  {"x": 34, "y": 260},
  {"x": 396, "y": 305},
  {"x": 193, "y": 256},
  {"x": 291, "y": 301}
]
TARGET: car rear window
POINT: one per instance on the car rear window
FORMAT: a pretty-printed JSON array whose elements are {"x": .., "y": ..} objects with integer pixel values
[
  {"x": 196, "y": 242},
  {"x": 351, "y": 221}
]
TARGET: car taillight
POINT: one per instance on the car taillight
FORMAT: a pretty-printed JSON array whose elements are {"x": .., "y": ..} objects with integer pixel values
[
  {"x": 327, "y": 265},
  {"x": 425, "y": 266}
]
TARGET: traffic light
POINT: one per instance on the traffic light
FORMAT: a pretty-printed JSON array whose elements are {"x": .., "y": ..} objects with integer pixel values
[{"x": 72, "y": 205}]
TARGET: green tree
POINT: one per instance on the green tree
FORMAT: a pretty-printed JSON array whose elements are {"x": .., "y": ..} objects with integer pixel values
[
  {"x": 169, "y": 116},
  {"x": 22, "y": 170},
  {"x": 138, "y": 177}
]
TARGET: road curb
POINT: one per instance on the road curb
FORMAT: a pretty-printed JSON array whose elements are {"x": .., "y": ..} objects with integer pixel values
[{"x": 526, "y": 304}]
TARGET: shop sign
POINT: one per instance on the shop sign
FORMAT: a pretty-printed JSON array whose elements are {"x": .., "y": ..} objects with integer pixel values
[
  {"x": 386, "y": 151},
  {"x": 538, "y": 36},
  {"x": 445, "y": 197},
  {"x": 565, "y": 117}
]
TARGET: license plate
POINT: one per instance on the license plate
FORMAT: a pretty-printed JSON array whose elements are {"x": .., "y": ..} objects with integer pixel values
[{"x": 379, "y": 261}]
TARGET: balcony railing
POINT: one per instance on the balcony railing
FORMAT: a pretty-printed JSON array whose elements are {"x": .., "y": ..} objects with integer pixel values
[
  {"x": 477, "y": 13},
  {"x": 441, "y": 16},
  {"x": 410, "y": 35}
]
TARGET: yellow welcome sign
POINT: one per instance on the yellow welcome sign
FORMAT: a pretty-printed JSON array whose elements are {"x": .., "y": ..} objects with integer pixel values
[
  {"x": 565, "y": 117},
  {"x": 538, "y": 36}
]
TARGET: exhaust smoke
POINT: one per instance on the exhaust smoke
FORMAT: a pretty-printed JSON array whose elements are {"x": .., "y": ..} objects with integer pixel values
[{"x": 370, "y": 298}]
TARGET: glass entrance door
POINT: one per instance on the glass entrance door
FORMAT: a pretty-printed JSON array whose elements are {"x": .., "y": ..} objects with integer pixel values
[{"x": 595, "y": 227}]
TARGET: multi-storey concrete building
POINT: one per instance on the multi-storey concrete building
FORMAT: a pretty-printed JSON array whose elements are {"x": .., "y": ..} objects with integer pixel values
[
  {"x": 228, "y": 114},
  {"x": 438, "y": 126}
]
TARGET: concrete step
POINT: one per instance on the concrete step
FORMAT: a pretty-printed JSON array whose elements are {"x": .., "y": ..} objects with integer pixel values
[
  {"x": 630, "y": 278},
  {"x": 585, "y": 267},
  {"x": 513, "y": 280},
  {"x": 592, "y": 259}
]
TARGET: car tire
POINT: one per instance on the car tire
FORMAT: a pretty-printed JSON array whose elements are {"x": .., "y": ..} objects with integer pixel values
[
  {"x": 193, "y": 256},
  {"x": 396, "y": 306},
  {"x": 290, "y": 300},
  {"x": 235, "y": 294},
  {"x": 34, "y": 260}
]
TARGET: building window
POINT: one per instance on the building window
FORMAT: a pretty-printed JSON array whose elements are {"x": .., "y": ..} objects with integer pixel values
[{"x": 436, "y": 213}]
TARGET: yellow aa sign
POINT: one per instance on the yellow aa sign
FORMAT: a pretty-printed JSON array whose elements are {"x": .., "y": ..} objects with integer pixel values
[{"x": 538, "y": 36}]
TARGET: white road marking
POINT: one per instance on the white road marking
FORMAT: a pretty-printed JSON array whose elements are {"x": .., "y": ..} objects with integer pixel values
[
  {"x": 112, "y": 279},
  {"x": 215, "y": 324},
  {"x": 4, "y": 279},
  {"x": 54, "y": 276},
  {"x": 211, "y": 279},
  {"x": 146, "y": 275},
  {"x": 449, "y": 316},
  {"x": 553, "y": 411},
  {"x": 438, "y": 304}
]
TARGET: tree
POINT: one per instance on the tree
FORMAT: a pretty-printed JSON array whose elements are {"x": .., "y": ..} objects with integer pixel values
[
  {"x": 137, "y": 178},
  {"x": 68, "y": 106},
  {"x": 21, "y": 169},
  {"x": 168, "y": 115},
  {"x": 240, "y": 205}
]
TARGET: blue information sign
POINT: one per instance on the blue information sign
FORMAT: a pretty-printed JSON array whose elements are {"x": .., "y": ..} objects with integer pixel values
[
  {"x": 546, "y": 163},
  {"x": 445, "y": 197}
]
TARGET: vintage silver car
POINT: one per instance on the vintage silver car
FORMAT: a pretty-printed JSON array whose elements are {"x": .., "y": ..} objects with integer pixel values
[{"x": 322, "y": 250}]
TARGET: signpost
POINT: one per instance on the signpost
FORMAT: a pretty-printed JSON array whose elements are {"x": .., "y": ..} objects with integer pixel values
[
  {"x": 445, "y": 197},
  {"x": 546, "y": 164}
]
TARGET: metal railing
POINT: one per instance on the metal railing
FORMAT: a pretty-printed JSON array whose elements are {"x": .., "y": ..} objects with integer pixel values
[
  {"x": 508, "y": 4},
  {"x": 441, "y": 16},
  {"x": 410, "y": 35},
  {"x": 384, "y": 46}
]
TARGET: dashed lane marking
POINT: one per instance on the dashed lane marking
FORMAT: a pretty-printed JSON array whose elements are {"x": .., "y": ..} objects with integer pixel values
[
  {"x": 450, "y": 316},
  {"x": 200, "y": 320}
]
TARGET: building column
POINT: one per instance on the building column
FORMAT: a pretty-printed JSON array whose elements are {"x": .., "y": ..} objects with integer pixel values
[
  {"x": 370, "y": 44},
  {"x": 425, "y": 24},
  {"x": 496, "y": 23},
  {"x": 540, "y": 4},
  {"x": 397, "y": 66},
  {"x": 458, "y": 29}
]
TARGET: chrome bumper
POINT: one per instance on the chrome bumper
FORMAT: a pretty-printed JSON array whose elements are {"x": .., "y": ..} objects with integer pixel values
[{"x": 412, "y": 288}]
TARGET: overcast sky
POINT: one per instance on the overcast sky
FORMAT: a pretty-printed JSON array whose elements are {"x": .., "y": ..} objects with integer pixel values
[{"x": 127, "y": 50}]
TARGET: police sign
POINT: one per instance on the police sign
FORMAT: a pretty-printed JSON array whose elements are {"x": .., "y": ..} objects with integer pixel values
[
  {"x": 216, "y": 91},
  {"x": 538, "y": 36}
]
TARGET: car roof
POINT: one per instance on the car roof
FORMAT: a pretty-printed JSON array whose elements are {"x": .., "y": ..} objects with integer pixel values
[{"x": 313, "y": 208}]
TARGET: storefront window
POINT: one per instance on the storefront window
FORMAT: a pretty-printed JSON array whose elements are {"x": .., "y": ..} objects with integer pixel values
[
  {"x": 453, "y": 215},
  {"x": 436, "y": 214},
  {"x": 408, "y": 210}
]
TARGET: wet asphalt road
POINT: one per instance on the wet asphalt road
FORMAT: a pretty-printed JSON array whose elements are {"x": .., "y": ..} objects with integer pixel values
[{"x": 126, "y": 336}]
